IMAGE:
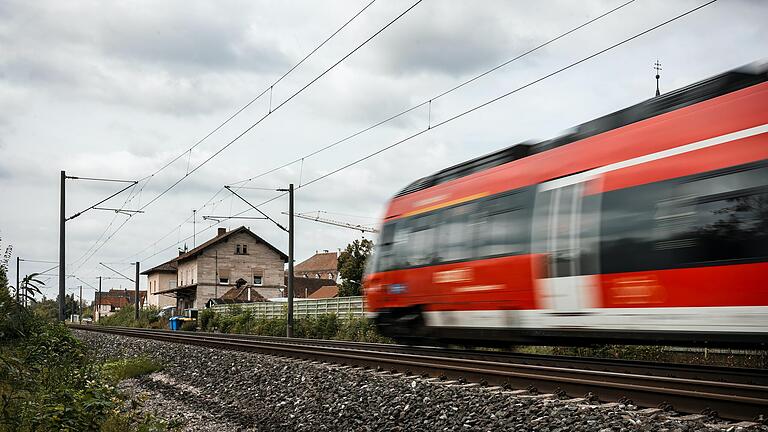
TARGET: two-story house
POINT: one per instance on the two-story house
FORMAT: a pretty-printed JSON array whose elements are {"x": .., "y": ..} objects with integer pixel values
[
  {"x": 161, "y": 278},
  {"x": 321, "y": 265},
  {"x": 232, "y": 258}
]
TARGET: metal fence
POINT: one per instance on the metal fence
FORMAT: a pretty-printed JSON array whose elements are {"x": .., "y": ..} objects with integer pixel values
[{"x": 343, "y": 307}]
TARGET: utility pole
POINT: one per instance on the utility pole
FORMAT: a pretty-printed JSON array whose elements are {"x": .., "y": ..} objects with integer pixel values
[
  {"x": 194, "y": 217},
  {"x": 62, "y": 263},
  {"x": 18, "y": 287},
  {"x": 63, "y": 219},
  {"x": 98, "y": 303},
  {"x": 80, "y": 315},
  {"x": 136, "y": 300},
  {"x": 216, "y": 281},
  {"x": 289, "y": 330},
  {"x": 289, "y": 230}
]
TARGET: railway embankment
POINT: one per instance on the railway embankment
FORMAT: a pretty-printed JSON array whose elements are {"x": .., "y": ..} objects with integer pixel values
[{"x": 213, "y": 389}]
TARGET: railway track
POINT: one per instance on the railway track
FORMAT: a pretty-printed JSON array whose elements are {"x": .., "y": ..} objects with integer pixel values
[{"x": 731, "y": 393}]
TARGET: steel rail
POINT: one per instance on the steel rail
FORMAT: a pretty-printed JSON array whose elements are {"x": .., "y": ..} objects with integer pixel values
[{"x": 731, "y": 400}]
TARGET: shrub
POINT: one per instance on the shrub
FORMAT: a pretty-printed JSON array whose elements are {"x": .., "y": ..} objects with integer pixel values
[
  {"x": 148, "y": 318},
  {"x": 189, "y": 326},
  {"x": 206, "y": 319},
  {"x": 121, "y": 369},
  {"x": 327, "y": 326}
]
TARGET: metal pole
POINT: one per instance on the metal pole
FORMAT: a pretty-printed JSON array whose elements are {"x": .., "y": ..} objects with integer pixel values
[
  {"x": 289, "y": 330},
  {"x": 80, "y": 315},
  {"x": 62, "y": 266},
  {"x": 18, "y": 287},
  {"x": 194, "y": 241},
  {"x": 98, "y": 303},
  {"x": 136, "y": 300},
  {"x": 216, "y": 282}
]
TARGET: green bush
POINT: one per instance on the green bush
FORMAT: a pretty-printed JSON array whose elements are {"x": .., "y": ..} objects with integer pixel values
[
  {"x": 205, "y": 319},
  {"x": 327, "y": 326},
  {"x": 121, "y": 369},
  {"x": 189, "y": 326},
  {"x": 148, "y": 318}
]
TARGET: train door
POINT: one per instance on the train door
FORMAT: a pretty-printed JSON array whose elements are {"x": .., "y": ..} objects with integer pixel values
[{"x": 560, "y": 237}]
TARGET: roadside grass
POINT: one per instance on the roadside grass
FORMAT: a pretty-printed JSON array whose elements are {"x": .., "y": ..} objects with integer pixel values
[{"x": 120, "y": 369}]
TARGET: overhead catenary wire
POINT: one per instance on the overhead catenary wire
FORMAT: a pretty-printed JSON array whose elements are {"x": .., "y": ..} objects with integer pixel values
[
  {"x": 429, "y": 101},
  {"x": 498, "y": 98},
  {"x": 263, "y": 92},
  {"x": 189, "y": 172},
  {"x": 391, "y": 118},
  {"x": 484, "y": 104},
  {"x": 281, "y": 104}
]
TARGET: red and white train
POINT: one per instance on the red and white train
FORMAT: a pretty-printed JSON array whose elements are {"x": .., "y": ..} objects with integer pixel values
[{"x": 647, "y": 225}]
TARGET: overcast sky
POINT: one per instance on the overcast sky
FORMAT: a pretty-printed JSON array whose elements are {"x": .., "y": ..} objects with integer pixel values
[{"x": 118, "y": 89}]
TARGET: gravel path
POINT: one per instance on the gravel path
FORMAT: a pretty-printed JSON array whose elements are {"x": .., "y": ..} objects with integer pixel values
[{"x": 214, "y": 390}]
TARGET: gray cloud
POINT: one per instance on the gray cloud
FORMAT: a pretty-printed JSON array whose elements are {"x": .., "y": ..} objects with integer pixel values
[{"x": 117, "y": 89}]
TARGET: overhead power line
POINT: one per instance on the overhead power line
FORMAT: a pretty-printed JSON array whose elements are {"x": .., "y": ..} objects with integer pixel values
[
  {"x": 225, "y": 122},
  {"x": 496, "y": 99},
  {"x": 301, "y": 90},
  {"x": 263, "y": 92},
  {"x": 388, "y": 119},
  {"x": 290, "y": 98}
]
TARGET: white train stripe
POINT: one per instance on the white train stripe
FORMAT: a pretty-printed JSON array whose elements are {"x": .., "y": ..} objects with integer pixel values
[
  {"x": 749, "y": 319},
  {"x": 709, "y": 142}
]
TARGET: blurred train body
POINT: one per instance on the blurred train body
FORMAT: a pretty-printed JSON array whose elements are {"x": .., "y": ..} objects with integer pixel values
[{"x": 648, "y": 225}]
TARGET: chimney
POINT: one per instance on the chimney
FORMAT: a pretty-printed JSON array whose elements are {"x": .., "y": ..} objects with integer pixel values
[{"x": 222, "y": 231}]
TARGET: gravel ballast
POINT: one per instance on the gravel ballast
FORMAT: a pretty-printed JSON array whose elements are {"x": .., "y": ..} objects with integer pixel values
[{"x": 215, "y": 390}]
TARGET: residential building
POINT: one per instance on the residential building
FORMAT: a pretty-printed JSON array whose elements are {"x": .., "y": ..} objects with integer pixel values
[
  {"x": 321, "y": 265},
  {"x": 325, "y": 292},
  {"x": 304, "y": 287},
  {"x": 108, "y": 302},
  {"x": 161, "y": 278},
  {"x": 233, "y": 258}
]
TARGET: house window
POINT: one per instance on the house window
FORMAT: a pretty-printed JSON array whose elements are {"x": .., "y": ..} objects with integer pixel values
[
  {"x": 224, "y": 280},
  {"x": 238, "y": 250},
  {"x": 245, "y": 249},
  {"x": 257, "y": 280}
]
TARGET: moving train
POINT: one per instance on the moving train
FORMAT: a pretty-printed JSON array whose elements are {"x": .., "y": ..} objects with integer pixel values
[{"x": 647, "y": 225}]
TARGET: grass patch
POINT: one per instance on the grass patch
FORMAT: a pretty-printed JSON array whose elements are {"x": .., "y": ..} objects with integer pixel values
[{"x": 121, "y": 369}]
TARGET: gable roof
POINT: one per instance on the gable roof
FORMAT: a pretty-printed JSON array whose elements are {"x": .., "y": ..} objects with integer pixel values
[
  {"x": 220, "y": 238},
  {"x": 325, "y": 292},
  {"x": 166, "y": 267},
  {"x": 304, "y": 286},
  {"x": 318, "y": 261},
  {"x": 241, "y": 294}
]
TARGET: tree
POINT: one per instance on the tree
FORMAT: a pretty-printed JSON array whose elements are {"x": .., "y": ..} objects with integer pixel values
[
  {"x": 4, "y": 259},
  {"x": 352, "y": 265},
  {"x": 30, "y": 287}
]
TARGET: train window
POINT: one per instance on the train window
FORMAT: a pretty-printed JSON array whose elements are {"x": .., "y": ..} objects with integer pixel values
[
  {"x": 589, "y": 242},
  {"x": 455, "y": 237},
  {"x": 385, "y": 253},
  {"x": 503, "y": 225},
  {"x": 717, "y": 218},
  {"x": 707, "y": 218},
  {"x": 627, "y": 228},
  {"x": 400, "y": 244},
  {"x": 541, "y": 213},
  {"x": 421, "y": 243}
]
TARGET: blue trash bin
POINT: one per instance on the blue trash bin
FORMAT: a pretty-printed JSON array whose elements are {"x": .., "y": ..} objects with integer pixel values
[{"x": 175, "y": 322}]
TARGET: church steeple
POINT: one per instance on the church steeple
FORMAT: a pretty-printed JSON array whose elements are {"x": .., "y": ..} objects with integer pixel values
[{"x": 657, "y": 67}]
